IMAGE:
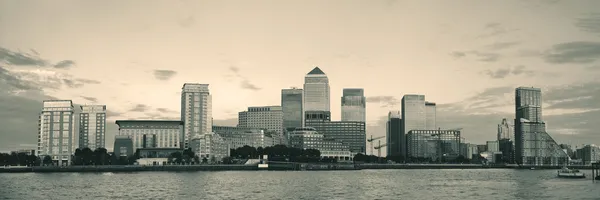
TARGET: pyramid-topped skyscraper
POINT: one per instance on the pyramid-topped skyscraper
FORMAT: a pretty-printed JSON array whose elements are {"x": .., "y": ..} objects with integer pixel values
[{"x": 316, "y": 91}]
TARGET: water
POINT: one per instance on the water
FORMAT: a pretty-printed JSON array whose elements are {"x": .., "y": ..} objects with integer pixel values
[{"x": 363, "y": 184}]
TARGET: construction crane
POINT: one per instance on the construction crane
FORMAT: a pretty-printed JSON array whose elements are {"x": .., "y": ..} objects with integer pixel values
[
  {"x": 378, "y": 147},
  {"x": 370, "y": 140}
]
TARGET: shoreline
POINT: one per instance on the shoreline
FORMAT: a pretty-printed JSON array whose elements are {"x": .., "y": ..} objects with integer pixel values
[{"x": 271, "y": 167}]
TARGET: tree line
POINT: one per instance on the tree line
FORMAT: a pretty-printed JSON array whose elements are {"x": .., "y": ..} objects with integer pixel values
[{"x": 279, "y": 153}]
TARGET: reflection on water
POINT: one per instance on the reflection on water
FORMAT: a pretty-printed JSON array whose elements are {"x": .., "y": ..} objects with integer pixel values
[{"x": 363, "y": 184}]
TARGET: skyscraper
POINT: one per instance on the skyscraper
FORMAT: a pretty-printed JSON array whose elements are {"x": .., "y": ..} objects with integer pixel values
[
  {"x": 316, "y": 91},
  {"x": 395, "y": 138},
  {"x": 504, "y": 131},
  {"x": 56, "y": 135},
  {"x": 413, "y": 115},
  {"x": 291, "y": 104},
  {"x": 92, "y": 126},
  {"x": 533, "y": 145},
  {"x": 430, "y": 116},
  {"x": 353, "y": 105},
  {"x": 196, "y": 111}
]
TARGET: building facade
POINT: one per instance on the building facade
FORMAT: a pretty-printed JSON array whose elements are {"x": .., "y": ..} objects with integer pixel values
[
  {"x": 351, "y": 133},
  {"x": 269, "y": 118},
  {"x": 196, "y": 110},
  {"x": 394, "y": 137},
  {"x": 237, "y": 137},
  {"x": 413, "y": 115},
  {"x": 533, "y": 145},
  {"x": 309, "y": 138},
  {"x": 316, "y": 91},
  {"x": 430, "y": 116},
  {"x": 291, "y": 104},
  {"x": 588, "y": 154},
  {"x": 434, "y": 145},
  {"x": 492, "y": 146},
  {"x": 152, "y": 133},
  {"x": 353, "y": 105},
  {"x": 92, "y": 126},
  {"x": 123, "y": 146},
  {"x": 56, "y": 137},
  {"x": 504, "y": 131},
  {"x": 210, "y": 146}
]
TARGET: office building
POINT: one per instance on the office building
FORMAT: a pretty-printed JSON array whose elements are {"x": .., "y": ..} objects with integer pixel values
[
  {"x": 291, "y": 104},
  {"x": 152, "y": 133},
  {"x": 56, "y": 135},
  {"x": 123, "y": 146},
  {"x": 92, "y": 126},
  {"x": 316, "y": 91},
  {"x": 588, "y": 154},
  {"x": 413, "y": 115},
  {"x": 196, "y": 110},
  {"x": 507, "y": 147},
  {"x": 533, "y": 145},
  {"x": 492, "y": 146},
  {"x": 309, "y": 138},
  {"x": 394, "y": 137},
  {"x": 351, "y": 133},
  {"x": 430, "y": 116},
  {"x": 504, "y": 130},
  {"x": 237, "y": 137},
  {"x": 433, "y": 145},
  {"x": 269, "y": 118},
  {"x": 210, "y": 146},
  {"x": 353, "y": 105}
]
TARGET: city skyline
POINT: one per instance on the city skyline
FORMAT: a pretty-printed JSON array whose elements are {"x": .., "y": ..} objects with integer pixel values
[{"x": 469, "y": 69}]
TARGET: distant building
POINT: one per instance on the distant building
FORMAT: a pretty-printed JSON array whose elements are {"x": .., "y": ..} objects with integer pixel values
[
  {"x": 433, "y": 144},
  {"x": 354, "y": 105},
  {"x": 507, "y": 147},
  {"x": 430, "y": 116},
  {"x": 264, "y": 117},
  {"x": 237, "y": 137},
  {"x": 152, "y": 133},
  {"x": 395, "y": 139},
  {"x": 492, "y": 146},
  {"x": 351, "y": 133},
  {"x": 56, "y": 137},
  {"x": 469, "y": 150},
  {"x": 28, "y": 152},
  {"x": 123, "y": 146},
  {"x": 291, "y": 104},
  {"x": 309, "y": 138},
  {"x": 92, "y": 126},
  {"x": 588, "y": 154},
  {"x": 316, "y": 91},
  {"x": 504, "y": 130},
  {"x": 196, "y": 110},
  {"x": 210, "y": 146}
]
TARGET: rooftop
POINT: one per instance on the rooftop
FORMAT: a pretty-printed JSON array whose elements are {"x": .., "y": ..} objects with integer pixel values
[{"x": 316, "y": 71}]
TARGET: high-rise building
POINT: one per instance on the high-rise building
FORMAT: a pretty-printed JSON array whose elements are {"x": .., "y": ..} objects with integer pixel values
[
  {"x": 291, "y": 104},
  {"x": 430, "y": 116},
  {"x": 395, "y": 138},
  {"x": 316, "y": 91},
  {"x": 504, "y": 131},
  {"x": 264, "y": 117},
  {"x": 414, "y": 115},
  {"x": 56, "y": 135},
  {"x": 533, "y": 145},
  {"x": 92, "y": 126},
  {"x": 196, "y": 111},
  {"x": 354, "y": 105}
]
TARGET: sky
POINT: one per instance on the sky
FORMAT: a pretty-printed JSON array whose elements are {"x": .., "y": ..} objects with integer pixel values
[{"x": 468, "y": 56}]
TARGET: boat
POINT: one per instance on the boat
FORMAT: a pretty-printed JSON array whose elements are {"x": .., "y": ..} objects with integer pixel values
[{"x": 570, "y": 173}]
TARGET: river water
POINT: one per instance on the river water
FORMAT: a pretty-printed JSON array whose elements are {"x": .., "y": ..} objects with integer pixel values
[{"x": 363, "y": 184}]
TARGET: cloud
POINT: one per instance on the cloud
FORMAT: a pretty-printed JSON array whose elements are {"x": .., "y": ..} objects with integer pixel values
[
  {"x": 573, "y": 52},
  {"x": 77, "y": 83},
  {"x": 458, "y": 54},
  {"x": 502, "y": 45},
  {"x": 589, "y": 23},
  {"x": 10, "y": 80},
  {"x": 505, "y": 72},
  {"x": 64, "y": 64},
  {"x": 165, "y": 110},
  {"x": 480, "y": 56},
  {"x": 384, "y": 101},
  {"x": 91, "y": 99},
  {"x": 495, "y": 29},
  {"x": 140, "y": 108},
  {"x": 20, "y": 59},
  {"x": 164, "y": 75},
  {"x": 584, "y": 96},
  {"x": 244, "y": 83}
]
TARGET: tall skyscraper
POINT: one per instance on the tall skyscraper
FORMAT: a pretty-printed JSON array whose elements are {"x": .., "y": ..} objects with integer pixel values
[
  {"x": 291, "y": 104},
  {"x": 413, "y": 115},
  {"x": 353, "y": 105},
  {"x": 196, "y": 111},
  {"x": 395, "y": 138},
  {"x": 504, "y": 131},
  {"x": 430, "y": 116},
  {"x": 316, "y": 91},
  {"x": 92, "y": 126},
  {"x": 56, "y": 135},
  {"x": 533, "y": 145}
]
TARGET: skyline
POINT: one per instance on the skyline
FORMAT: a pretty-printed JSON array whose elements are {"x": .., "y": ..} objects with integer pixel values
[{"x": 468, "y": 63}]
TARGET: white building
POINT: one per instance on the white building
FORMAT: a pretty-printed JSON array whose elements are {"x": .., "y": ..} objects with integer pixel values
[
  {"x": 354, "y": 105},
  {"x": 152, "y": 133},
  {"x": 492, "y": 146},
  {"x": 504, "y": 131},
  {"x": 265, "y": 117},
  {"x": 92, "y": 126},
  {"x": 237, "y": 137},
  {"x": 210, "y": 146},
  {"x": 196, "y": 110},
  {"x": 316, "y": 91},
  {"x": 56, "y": 135},
  {"x": 309, "y": 138}
]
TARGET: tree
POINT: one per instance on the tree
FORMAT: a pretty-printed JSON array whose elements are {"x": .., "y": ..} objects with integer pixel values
[{"x": 47, "y": 160}]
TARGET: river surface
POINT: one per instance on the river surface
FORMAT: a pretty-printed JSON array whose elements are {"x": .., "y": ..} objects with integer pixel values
[{"x": 363, "y": 184}]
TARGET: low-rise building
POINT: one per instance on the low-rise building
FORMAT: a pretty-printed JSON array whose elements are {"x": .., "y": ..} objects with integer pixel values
[
  {"x": 237, "y": 137},
  {"x": 588, "y": 154},
  {"x": 433, "y": 144},
  {"x": 351, "y": 133},
  {"x": 210, "y": 146},
  {"x": 123, "y": 146},
  {"x": 309, "y": 138},
  {"x": 152, "y": 133}
]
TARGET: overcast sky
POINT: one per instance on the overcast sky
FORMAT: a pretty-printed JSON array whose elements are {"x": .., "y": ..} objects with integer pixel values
[{"x": 467, "y": 56}]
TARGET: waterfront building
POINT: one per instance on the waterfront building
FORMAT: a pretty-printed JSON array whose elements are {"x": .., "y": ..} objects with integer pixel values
[
  {"x": 291, "y": 105},
  {"x": 588, "y": 154},
  {"x": 269, "y": 118},
  {"x": 430, "y": 116},
  {"x": 414, "y": 115},
  {"x": 196, "y": 110},
  {"x": 507, "y": 147},
  {"x": 123, "y": 146},
  {"x": 504, "y": 130},
  {"x": 393, "y": 134},
  {"x": 316, "y": 91},
  {"x": 468, "y": 150},
  {"x": 533, "y": 145},
  {"x": 56, "y": 137},
  {"x": 237, "y": 137},
  {"x": 92, "y": 126},
  {"x": 210, "y": 146},
  {"x": 309, "y": 138},
  {"x": 351, "y": 133},
  {"x": 492, "y": 146},
  {"x": 353, "y": 105},
  {"x": 433, "y": 144},
  {"x": 152, "y": 133}
]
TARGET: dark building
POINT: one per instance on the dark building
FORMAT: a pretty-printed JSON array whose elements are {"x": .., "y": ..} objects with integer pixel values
[
  {"x": 149, "y": 141},
  {"x": 433, "y": 145},
  {"x": 123, "y": 146},
  {"x": 349, "y": 133},
  {"x": 506, "y": 146},
  {"x": 394, "y": 135},
  {"x": 291, "y": 104}
]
